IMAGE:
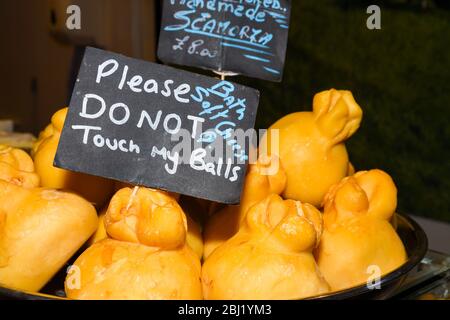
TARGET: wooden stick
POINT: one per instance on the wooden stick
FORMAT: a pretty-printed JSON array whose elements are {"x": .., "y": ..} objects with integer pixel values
[{"x": 133, "y": 195}]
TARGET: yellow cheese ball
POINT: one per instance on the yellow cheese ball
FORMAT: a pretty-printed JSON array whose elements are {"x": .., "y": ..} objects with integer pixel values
[
  {"x": 260, "y": 182},
  {"x": 100, "y": 233},
  {"x": 44, "y": 134},
  {"x": 118, "y": 270},
  {"x": 40, "y": 229},
  {"x": 311, "y": 145},
  {"x": 17, "y": 167},
  {"x": 95, "y": 189},
  {"x": 270, "y": 257},
  {"x": 358, "y": 241},
  {"x": 194, "y": 238},
  {"x": 146, "y": 257}
]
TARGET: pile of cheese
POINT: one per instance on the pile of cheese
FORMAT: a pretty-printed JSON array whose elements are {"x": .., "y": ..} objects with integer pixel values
[{"x": 307, "y": 223}]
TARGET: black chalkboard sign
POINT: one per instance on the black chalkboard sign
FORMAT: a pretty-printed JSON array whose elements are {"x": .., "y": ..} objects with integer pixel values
[
  {"x": 153, "y": 125},
  {"x": 246, "y": 37}
]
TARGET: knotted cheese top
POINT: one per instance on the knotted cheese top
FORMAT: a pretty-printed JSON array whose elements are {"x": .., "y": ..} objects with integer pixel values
[
  {"x": 337, "y": 114},
  {"x": 263, "y": 178},
  {"x": 147, "y": 216},
  {"x": 289, "y": 225},
  {"x": 366, "y": 193}
]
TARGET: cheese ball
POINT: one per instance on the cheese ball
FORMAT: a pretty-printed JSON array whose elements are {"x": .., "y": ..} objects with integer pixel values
[
  {"x": 270, "y": 257},
  {"x": 311, "y": 147},
  {"x": 146, "y": 256},
  {"x": 40, "y": 229},
  {"x": 358, "y": 237}
]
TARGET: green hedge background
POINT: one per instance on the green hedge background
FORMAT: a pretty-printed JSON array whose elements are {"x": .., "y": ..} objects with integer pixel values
[{"x": 400, "y": 77}]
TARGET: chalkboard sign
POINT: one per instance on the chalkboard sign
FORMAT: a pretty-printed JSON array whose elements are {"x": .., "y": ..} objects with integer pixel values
[
  {"x": 153, "y": 125},
  {"x": 246, "y": 37}
]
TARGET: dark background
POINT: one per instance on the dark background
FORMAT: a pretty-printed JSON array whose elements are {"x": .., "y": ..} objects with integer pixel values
[{"x": 399, "y": 75}]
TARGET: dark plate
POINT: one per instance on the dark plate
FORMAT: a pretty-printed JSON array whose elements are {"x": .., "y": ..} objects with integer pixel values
[{"x": 412, "y": 235}]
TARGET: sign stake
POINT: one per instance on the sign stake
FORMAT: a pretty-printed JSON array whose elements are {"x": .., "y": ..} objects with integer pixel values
[{"x": 133, "y": 195}]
